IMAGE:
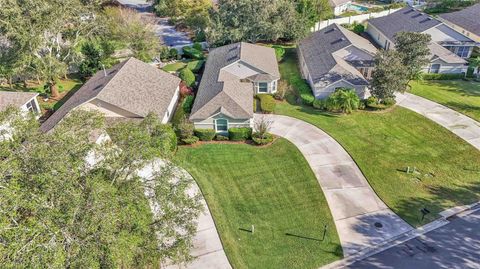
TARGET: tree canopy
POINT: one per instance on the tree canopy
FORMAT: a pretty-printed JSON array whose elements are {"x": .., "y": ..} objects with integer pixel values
[
  {"x": 390, "y": 75},
  {"x": 414, "y": 52},
  {"x": 58, "y": 210}
]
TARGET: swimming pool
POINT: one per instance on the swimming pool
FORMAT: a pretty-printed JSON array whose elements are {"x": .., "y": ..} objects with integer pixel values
[{"x": 357, "y": 7}]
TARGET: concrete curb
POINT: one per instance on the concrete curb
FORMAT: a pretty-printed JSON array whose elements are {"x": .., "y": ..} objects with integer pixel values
[{"x": 442, "y": 221}]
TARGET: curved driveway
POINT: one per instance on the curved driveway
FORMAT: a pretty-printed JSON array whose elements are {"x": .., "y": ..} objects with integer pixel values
[
  {"x": 461, "y": 125},
  {"x": 354, "y": 205}
]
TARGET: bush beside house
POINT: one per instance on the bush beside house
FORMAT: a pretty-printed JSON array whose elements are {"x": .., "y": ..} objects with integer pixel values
[
  {"x": 267, "y": 102},
  {"x": 187, "y": 76},
  {"x": 205, "y": 134},
  {"x": 240, "y": 134}
]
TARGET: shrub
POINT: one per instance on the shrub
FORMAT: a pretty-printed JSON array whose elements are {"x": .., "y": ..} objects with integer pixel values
[
  {"x": 372, "y": 100},
  {"x": 205, "y": 134},
  {"x": 344, "y": 100},
  {"x": 188, "y": 103},
  {"x": 319, "y": 104},
  {"x": 359, "y": 28},
  {"x": 173, "y": 54},
  {"x": 190, "y": 52},
  {"x": 304, "y": 90},
  {"x": 187, "y": 76},
  {"x": 185, "y": 90},
  {"x": 191, "y": 140},
  {"x": 197, "y": 46},
  {"x": 262, "y": 139},
  {"x": 240, "y": 134},
  {"x": 195, "y": 66},
  {"x": 165, "y": 54},
  {"x": 221, "y": 138},
  {"x": 434, "y": 76},
  {"x": 185, "y": 129},
  {"x": 389, "y": 102},
  {"x": 279, "y": 52},
  {"x": 267, "y": 103},
  {"x": 165, "y": 132}
]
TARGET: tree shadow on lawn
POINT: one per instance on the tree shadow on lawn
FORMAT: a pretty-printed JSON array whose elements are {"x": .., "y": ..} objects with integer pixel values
[
  {"x": 464, "y": 88},
  {"x": 463, "y": 106}
]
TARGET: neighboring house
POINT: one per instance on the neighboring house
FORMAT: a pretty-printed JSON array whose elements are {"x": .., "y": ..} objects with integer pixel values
[
  {"x": 335, "y": 57},
  {"x": 465, "y": 21},
  {"x": 131, "y": 89},
  {"x": 233, "y": 75},
  {"x": 383, "y": 31},
  {"x": 25, "y": 101},
  {"x": 339, "y": 6}
]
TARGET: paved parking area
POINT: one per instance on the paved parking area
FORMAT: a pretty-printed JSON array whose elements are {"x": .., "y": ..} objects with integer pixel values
[{"x": 361, "y": 218}]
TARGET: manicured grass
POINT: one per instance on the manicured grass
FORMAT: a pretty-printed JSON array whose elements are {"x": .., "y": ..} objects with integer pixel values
[
  {"x": 384, "y": 144},
  {"x": 272, "y": 188},
  {"x": 195, "y": 66},
  {"x": 462, "y": 96}
]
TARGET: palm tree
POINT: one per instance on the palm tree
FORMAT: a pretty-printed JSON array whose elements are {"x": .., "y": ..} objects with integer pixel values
[{"x": 345, "y": 100}]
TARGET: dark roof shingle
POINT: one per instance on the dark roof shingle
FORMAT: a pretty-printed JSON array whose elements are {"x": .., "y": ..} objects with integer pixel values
[
  {"x": 404, "y": 20},
  {"x": 466, "y": 18}
]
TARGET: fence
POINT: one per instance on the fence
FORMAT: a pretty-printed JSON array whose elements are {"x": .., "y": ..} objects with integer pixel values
[{"x": 351, "y": 19}]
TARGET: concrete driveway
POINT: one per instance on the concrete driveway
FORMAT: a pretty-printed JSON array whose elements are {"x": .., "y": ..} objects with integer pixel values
[
  {"x": 461, "y": 125},
  {"x": 207, "y": 247},
  {"x": 361, "y": 218}
]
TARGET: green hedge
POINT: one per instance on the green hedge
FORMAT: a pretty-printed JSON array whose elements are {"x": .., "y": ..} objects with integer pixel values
[
  {"x": 433, "y": 76},
  {"x": 187, "y": 76},
  {"x": 267, "y": 102},
  {"x": 188, "y": 103},
  {"x": 259, "y": 140},
  {"x": 240, "y": 134},
  {"x": 190, "y": 52},
  {"x": 303, "y": 89},
  {"x": 205, "y": 134}
]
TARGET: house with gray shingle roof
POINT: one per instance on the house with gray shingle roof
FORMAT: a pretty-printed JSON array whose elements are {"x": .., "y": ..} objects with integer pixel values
[
  {"x": 25, "y": 101},
  {"x": 335, "y": 58},
  {"x": 449, "y": 48},
  {"x": 129, "y": 90},
  {"x": 233, "y": 75},
  {"x": 465, "y": 21}
]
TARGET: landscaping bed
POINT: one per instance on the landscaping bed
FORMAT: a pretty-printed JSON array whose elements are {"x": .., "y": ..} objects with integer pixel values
[
  {"x": 385, "y": 145},
  {"x": 462, "y": 96},
  {"x": 271, "y": 188}
]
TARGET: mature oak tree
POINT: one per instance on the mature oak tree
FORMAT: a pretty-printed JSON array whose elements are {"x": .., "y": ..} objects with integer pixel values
[{"x": 59, "y": 211}]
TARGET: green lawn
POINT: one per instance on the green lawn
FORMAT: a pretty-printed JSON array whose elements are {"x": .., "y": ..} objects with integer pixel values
[
  {"x": 462, "y": 96},
  {"x": 384, "y": 144},
  {"x": 272, "y": 188}
]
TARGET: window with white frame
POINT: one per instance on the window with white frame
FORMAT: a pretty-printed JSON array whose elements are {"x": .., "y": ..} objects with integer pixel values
[
  {"x": 221, "y": 125},
  {"x": 32, "y": 107},
  {"x": 274, "y": 86},
  {"x": 263, "y": 87},
  {"x": 463, "y": 51}
]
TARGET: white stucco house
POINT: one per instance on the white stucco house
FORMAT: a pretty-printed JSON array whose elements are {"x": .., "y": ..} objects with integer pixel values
[
  {"x": 339, "y": 6},
  {"x": 233, "y": 75},
  {"x": 335, "y": 57},
  {"x": 129, "y": 90},
  {"x": 449, "y": 49}
]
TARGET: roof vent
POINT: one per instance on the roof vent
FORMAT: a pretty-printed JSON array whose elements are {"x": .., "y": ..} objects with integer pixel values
[
  {"x": 409, "y": 11},
  {"x": 417, "y": 15},
  {"x": 425, "y": 20},
  {"x": 330, "y": 30}
]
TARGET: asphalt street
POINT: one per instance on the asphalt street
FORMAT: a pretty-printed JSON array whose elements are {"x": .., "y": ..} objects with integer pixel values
[{"x": 455, "y": 245}]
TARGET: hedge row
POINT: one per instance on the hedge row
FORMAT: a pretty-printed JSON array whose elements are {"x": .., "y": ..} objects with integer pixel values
[
  {"x": 205, "y": 134},
  {"x": 267, "y": 102},
  {"x": 190, "y": 52},
  {"x": 434, "y": 76},
  {"x": 240, "y": 134},
  {"x": 303, "y": 89}
]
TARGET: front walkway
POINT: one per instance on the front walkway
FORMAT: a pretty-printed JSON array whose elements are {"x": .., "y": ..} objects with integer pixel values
[
  {"x": 207, "y": 247},
  {"x": 461, "y": 125},
  {"x": 361, "y": 218}
]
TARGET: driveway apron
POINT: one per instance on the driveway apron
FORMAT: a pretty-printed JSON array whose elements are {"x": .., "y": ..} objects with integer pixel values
[{"x": 361, "y": 218}]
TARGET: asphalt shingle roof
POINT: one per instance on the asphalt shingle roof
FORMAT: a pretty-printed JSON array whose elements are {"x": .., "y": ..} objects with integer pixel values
[
  {"x": 16, "y": 99},
  {"x": 132, "y": 85},
  {"x": 221, "y": 91},
  {"x": 318, "y": 51},
  {"x": 466, "y": 18},
  {"x": 404, "y": 20}
]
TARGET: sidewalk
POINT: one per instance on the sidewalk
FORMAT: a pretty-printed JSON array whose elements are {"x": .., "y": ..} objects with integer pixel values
[{"x": 361, "y": 218}]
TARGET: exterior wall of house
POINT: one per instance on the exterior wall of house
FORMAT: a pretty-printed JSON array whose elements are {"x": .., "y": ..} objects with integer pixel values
[
  {"x": 304, "y": 70},
  {"x": 271, "y": 87},
  {"x": 210, "y": 122},
  {"x": 379, "y": 38},
  {"x": 110, "y": 111},
  {"x": 446, "y": 68},
  {"x": 452, "y": 40},
  {"x": 322, "y": 92},
  {"x": 171, "y": 107},
  {"x": 340, "y": 9}
]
